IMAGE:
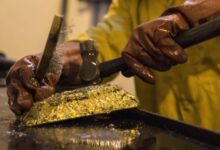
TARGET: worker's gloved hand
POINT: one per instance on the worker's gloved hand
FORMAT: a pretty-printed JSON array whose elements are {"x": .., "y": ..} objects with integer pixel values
[
  {"x": 24, "y": 89},
  {"x": 22, "y": 86},
  {"x": 151, "y": 47},
  {"x": 72, "y": 63}
]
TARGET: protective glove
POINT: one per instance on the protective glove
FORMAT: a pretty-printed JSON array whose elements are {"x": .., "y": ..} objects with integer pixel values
[
  {"x": 151, "y": 46},
  {"x": 24, "y": 89},
  {"x": 72, "y": 63}
]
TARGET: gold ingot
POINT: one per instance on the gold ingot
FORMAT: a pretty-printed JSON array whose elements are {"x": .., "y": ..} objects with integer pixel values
[{"x": 87, "y": 101}]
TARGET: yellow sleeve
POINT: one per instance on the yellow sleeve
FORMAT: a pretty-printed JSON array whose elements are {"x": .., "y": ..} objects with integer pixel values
[{"x": 112, "y": 34}]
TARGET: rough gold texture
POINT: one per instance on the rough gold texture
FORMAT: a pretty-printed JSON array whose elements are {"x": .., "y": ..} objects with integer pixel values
[{"x": 82, "y": 102}]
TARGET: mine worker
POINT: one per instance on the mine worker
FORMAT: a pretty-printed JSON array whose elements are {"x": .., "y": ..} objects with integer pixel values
[{"x": 188, "y": 92}]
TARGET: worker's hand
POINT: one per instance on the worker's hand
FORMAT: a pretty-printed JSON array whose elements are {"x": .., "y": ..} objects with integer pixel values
[
  {"x": 151, "y": 47},
  {"x": 24, "y": 89},
  {"x": 72, "y": 63},
  {"x": 22, "y": 86}
]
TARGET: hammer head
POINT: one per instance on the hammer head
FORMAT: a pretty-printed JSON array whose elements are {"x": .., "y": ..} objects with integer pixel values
[{"x": 89, "y": 72}]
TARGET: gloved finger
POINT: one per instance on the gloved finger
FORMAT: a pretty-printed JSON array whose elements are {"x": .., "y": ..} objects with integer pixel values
[
  {"x": 47, "y": 87},
  {"x": 156, "y": 58},
  {"x": 40, "y": 90},
  {"x": 149, "y": 61},
  {"x": 27, "y": 77},
  {"x": 23, "y": 71},
  {"x": 19, "y": 99},
  {"x": 43, "y": 92},
  {"x": 142, "y": 53},
  {"x": 169, "y": 47},
  {"x": 138, "y": 69},
  {"x": 145, "y": 40}
]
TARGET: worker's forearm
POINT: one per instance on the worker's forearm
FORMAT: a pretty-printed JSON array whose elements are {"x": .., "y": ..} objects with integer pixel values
[{"x": 197, "y": 10}]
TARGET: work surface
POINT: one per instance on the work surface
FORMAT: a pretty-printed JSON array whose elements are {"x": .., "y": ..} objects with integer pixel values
[{"x": 114, "y": 131}]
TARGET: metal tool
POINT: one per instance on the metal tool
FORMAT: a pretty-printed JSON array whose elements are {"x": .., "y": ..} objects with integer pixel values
[
  {"x": 89, "y": 70},
  {"x": 186, "y": 39},
  {"x": 51, "y": 60}
]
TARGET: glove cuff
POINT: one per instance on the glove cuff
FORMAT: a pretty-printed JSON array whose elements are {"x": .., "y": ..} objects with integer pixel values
[{"x": 196, "y": 11}]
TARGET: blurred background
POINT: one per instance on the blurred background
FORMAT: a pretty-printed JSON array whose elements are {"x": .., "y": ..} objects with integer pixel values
[{"x": 25, "y": 25}]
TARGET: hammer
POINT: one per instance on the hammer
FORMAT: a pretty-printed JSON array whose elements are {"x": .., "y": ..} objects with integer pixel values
[{"x": 93, "y": 72}]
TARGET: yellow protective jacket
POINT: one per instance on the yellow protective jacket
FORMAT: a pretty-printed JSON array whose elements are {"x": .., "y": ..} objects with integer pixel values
[{"x": 188, "y": 92}]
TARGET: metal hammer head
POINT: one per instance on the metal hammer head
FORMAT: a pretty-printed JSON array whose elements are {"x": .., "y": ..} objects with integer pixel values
[{"x": 90, "y": 69}]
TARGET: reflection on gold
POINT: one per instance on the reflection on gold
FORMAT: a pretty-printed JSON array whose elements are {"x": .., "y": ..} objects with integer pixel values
[
  {"x": 95, "y": 133},
  {"x": 96, "y": 137}
]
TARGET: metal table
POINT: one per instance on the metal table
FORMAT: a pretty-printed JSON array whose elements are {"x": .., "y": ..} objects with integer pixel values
[{"x": 130, "y": 129}]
